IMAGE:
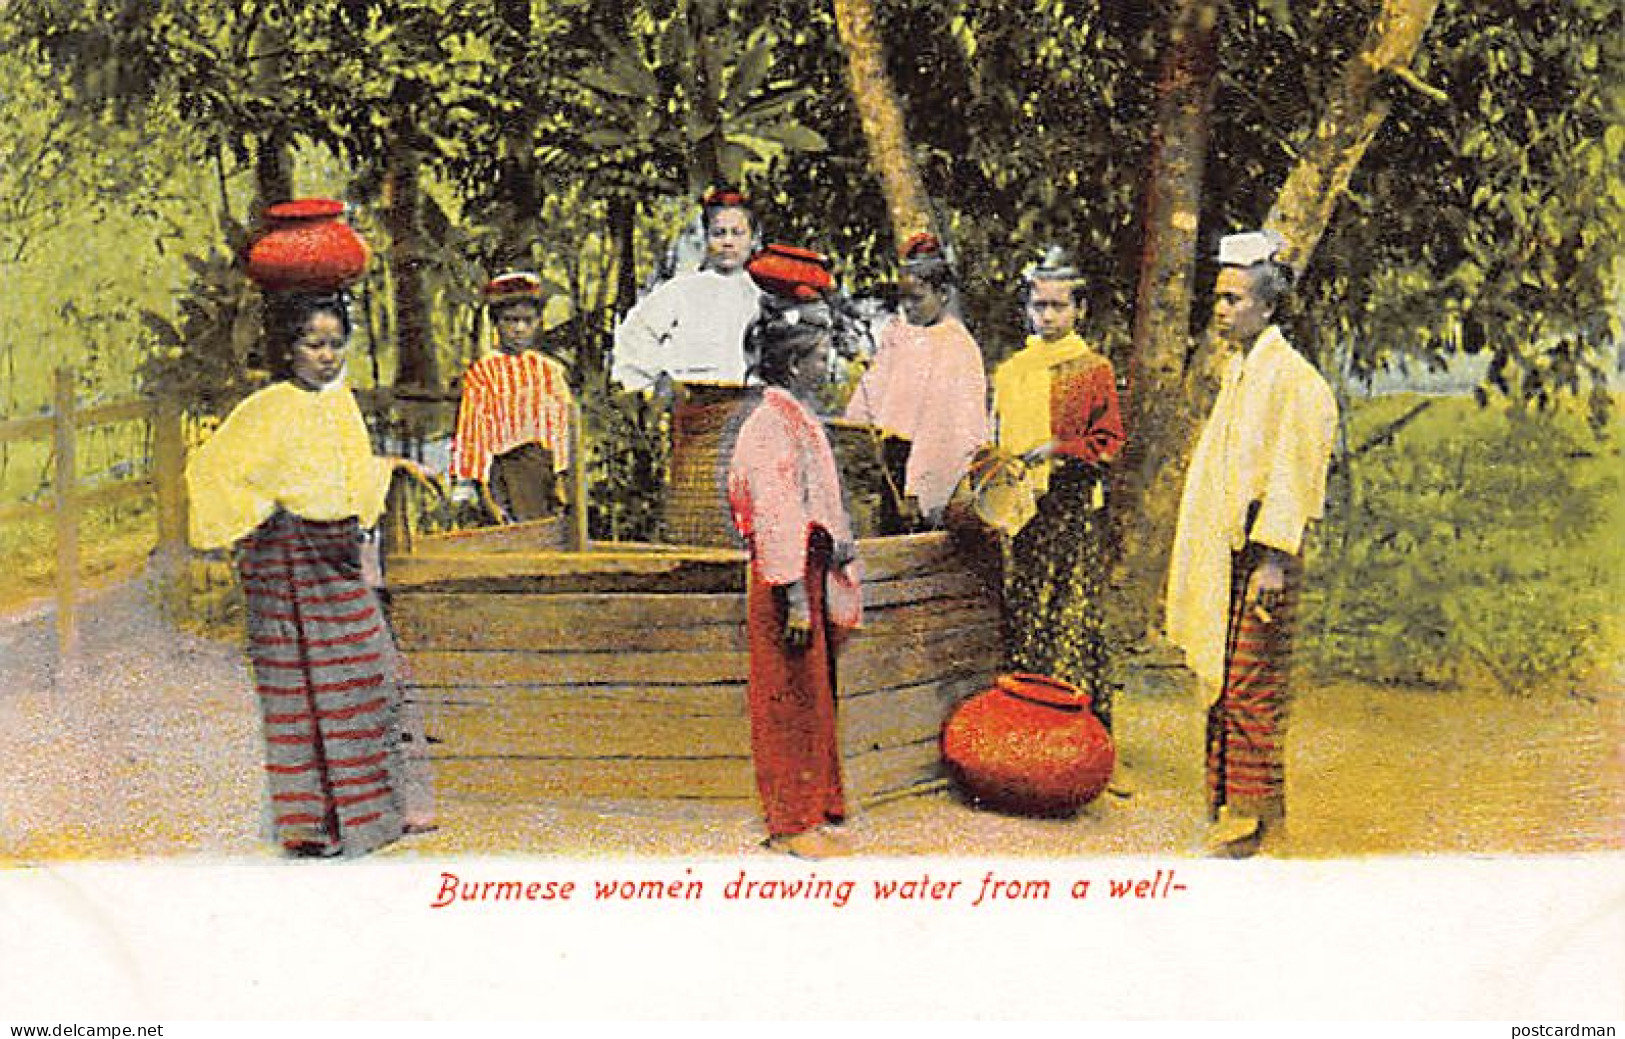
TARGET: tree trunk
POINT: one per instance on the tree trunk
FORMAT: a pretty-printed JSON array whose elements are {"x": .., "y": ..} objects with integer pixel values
[
  {"x": 273, "y": 172},
  {"x": 273, "y": 161},
  {"x": 705, "y": 164},
  {"x": 1148, "y": 474},
  {"x": 519, "y": 192},
  {"x": 623, "y": 221},
  {"x": 1352, "y": 117},
  {"x": 882, "y": 119},
  {"x": 415, "y": 365},
  {"x": 273, "y": 158}
]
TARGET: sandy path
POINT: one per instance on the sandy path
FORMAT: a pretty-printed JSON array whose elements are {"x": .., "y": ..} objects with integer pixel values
[{"x": 152, "y": 749}]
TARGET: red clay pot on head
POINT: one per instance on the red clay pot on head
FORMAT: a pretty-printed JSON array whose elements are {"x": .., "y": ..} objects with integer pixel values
[
  {"x": 1030, "y": 745},
  {"x": 306, "y": 247},
  {"x": 791, "y": 272}
]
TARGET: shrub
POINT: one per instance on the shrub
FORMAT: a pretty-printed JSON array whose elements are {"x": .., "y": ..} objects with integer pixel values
[{"x": 1467, "y": 545}]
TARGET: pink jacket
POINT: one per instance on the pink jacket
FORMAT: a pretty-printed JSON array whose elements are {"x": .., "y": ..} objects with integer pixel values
[
  {"x": 782, "y": 485},
  {"x": 928, "y": 386}
]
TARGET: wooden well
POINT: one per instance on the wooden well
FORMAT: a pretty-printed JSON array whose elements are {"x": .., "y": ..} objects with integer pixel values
[{"x": 620, "y": 671}]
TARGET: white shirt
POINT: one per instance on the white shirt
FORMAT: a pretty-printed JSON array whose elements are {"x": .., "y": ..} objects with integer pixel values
[{"x": 691, "y": 328}]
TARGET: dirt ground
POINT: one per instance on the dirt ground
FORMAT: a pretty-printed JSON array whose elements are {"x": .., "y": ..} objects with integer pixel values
[{"x": 149, "y": 747}]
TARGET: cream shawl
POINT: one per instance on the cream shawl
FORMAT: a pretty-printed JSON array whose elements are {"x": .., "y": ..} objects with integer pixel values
[{"x": 1268, "y": 440}]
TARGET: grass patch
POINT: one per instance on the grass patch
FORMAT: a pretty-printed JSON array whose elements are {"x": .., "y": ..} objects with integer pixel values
[
  {"x": 1475, "y": 544},
  {"x": 114, "y": 543}
]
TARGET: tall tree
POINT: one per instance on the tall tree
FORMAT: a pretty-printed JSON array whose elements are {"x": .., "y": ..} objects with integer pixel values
[
  {"x": 1353, "y": 114},
  {"x": 272, "y": 139},
  {"x": 416, "y": 366},
  {"x": 398, "y": 88},
  {"x": 1156, "y": 401},
  {"x": 220, "y": 64},
  {"x": 520, "y": 189}
]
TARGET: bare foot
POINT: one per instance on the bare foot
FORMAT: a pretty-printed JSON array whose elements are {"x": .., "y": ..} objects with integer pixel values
[
  {"x": 811, "y": 844},
  {"x": 1234, "y": 836}
]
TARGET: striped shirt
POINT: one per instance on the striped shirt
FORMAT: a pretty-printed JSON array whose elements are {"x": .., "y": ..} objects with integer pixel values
[{"x": 510, "y": 400}]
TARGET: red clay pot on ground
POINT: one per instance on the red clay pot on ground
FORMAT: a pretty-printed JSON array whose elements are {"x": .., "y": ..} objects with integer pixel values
[
  {"x": 306, "y": 247},
  {"x": 1030, "y": 745}
]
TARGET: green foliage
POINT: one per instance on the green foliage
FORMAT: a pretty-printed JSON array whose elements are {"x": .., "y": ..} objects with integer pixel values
[
  {"x": 1470, "y": 544},
  {"x": 95, "y": 220},
  {"x": 628, "y": 443},
  {"x": 671, "y": 111},
  {"x": 207, "y": 361},
  {"x": 1491, "y": 217},
  {"x": 569, "y": 135},
  {"x": 1030, "y": 129},
  {"x": 1035, "y": 132}
]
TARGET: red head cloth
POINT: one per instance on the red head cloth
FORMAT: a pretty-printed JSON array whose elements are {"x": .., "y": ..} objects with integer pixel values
[
  {"x": 793, "y": 273},
  {"x": 514, "y": 287},
  {"x": 305, "y": 247},
  {"x": 724, "y": 198},
  {"x": 923, "y": 246}
]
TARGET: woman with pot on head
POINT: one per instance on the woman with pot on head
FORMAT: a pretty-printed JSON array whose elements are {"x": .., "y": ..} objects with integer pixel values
[
  {"x": 927, "y": 384},
  {"x": 1055, "y": 405},
  {"x": 785, "y": 494},
  {"x": 290, "y": 481},
  {"x": 514, "y": 419}
]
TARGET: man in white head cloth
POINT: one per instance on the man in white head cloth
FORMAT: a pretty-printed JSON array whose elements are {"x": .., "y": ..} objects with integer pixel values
[{"x": 1257, "y": 479}]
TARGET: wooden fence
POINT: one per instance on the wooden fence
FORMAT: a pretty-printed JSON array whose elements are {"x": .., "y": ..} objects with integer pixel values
[
  {"x": 70, "y": 498},
  {"x": 165, "y": 478}
]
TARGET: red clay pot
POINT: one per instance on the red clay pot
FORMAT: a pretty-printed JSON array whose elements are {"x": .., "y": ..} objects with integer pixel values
[
  {"x": 1030, "y": 745},
  {"x": 306, "y": 247}
]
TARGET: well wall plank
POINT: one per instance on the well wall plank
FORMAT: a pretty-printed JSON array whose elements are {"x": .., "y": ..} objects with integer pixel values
[{"x": 516, "y": 780}]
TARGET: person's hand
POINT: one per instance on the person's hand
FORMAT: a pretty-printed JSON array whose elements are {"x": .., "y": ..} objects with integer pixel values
[
  {"x": 797, "y": 617},
  {"x": 664, "y": 390},
  {"x": 1265, "y": 588},
  {"x": 933, "y": 517},
  {"x": 843, "y": 553},
  {"x": 419, "y": 472},
  {"x": 1039, "y": 454}
]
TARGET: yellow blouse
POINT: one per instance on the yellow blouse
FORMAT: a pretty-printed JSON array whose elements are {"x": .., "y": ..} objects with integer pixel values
[{"x": 305, "y": 451}]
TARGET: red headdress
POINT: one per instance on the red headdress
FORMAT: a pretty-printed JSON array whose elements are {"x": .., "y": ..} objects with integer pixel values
[
  {"x": 514, "y": 287},
  {"x": 923, "y": 246},
  {"x": 725, "y": 198},
  {"x": 792, "y": 273}
]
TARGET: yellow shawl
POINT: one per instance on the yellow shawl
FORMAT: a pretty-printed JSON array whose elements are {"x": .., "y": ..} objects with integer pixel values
[{"x": 1021, "y": 394}]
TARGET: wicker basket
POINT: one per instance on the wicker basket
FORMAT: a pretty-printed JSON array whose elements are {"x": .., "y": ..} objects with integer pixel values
[{"x": 702, "y": 422}]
